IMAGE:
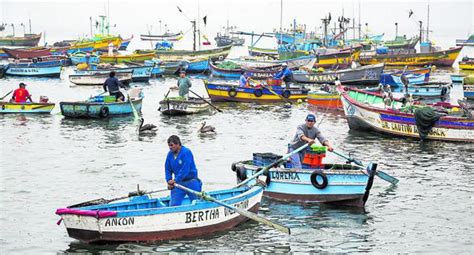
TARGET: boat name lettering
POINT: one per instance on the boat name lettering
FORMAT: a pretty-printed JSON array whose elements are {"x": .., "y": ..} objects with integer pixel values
[
  {"x": 323, "y": 77},
  {"x": 409, "y": 129},
  {"x": 241, "y": 205},
  {"x": 120, "y": 222},
  {"x": 22, "y": 70},
  {"x": 285, "y": 176},
  {"x": 202, "y": 215}
]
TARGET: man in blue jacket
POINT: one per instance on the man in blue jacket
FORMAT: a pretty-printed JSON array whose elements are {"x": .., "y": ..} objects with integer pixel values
[
  {"x": 180, "y": 168},
  {"x": 285, "y": 74}
]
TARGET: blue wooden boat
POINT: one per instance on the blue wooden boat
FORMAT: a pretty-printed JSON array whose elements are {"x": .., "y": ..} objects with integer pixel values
[
  {"x": 34, "y": 70},
  {"x": 100, "y": 107},
  {"x": 81, "y": 49},
  {"x": 196, "y": 66},
  {"x": 234, "y": 73},
  {"x": 417, "y": 76},
  {"x": 468, "y": 90},
  {"x": 339, "y": 184},
  {"x": 139, "y": 73},
  {"x": 125, "y": 43},
  {"x": 143, "y": 218},
  {"x": 457, "y": 78},
  {"x": 80, "y": 57}
]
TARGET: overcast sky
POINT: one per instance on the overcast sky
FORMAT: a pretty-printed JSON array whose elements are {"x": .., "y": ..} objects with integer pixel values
[{"x": 449, "y": 20}]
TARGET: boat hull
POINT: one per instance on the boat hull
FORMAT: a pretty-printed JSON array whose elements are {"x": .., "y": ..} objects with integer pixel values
[
  {"x": 374, "y": 117},
  {"x": 232, "y": 93},
  {"x": 40, "y": 71},
  {"x": 29, "y": 41},
  {"x": 156, "y": 223},
  {"x": 468, "y": 91},
  {"x": 27, "y": 53},
  {"x": 7, "y": 107},
  {"x": 367, "y": 75},
  {"x": 98, "y": 78},
  {"x": 438, "y": 58},
  {"x": 96, "y": 109},
  {"x": 183, "y": 107},
  {"x": 349, "y": 186},
  {"x": 325, "y": 100},
  {"x": 126, "y": 58}
]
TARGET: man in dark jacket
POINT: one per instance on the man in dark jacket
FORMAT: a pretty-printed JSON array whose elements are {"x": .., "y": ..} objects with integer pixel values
[{"x": 112, "y": 84}]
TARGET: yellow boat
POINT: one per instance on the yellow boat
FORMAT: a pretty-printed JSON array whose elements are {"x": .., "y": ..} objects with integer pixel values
[
  {"x": 438, "y": 58},
  {"x": 7, "y": 107},
  {"x": 466, "y": 63},
  {"x": 127, "y": 58},
  {"x": 102, "y": 43}
]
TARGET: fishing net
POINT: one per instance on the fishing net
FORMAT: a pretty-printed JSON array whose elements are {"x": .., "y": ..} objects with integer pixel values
[
  {"x": 228, "y": 65},
  {"x": 425, "y": 119}
]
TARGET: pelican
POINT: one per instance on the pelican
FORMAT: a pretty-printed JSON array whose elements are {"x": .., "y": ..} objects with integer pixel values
[
  {"x": 207, "y": 129},
  {"x": 147, "y": 128}
]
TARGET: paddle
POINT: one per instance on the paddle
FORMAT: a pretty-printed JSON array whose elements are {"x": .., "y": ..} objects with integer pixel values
[
  {"x": 41, "y": 106},
  {"x": 6, "y": 95},
  {"x": 382, "y": 175},
  {"x": 273, "y": 92},
  {"x": 106, "y": 201},
  {"x": 242, "y": 212},
  {"x": 135, "y": 113},
  {"x": 275, "y": 163},
  {"x": 215, "y": 107}
]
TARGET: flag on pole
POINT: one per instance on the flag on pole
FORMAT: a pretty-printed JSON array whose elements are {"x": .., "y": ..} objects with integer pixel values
[
  {"x": 410, "y": 13},
  {"x": 205, "y": 20}
]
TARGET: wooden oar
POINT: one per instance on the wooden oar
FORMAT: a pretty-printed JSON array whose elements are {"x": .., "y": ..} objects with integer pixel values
[
  {"x": 135, "y": 113},
  {"x": 209, "y": 103},
  {"x": 273, "y": 92},
  {"x": 275, "y": 163},
  {"x": 106, "y": 201},
  {"x": 41, "y": 106},
  {"x": 6, "y": 95},
  {"x": 384, "y": 176},
  {"x": 242, "y": 212}
]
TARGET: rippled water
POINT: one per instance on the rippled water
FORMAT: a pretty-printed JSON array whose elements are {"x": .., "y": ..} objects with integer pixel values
[{"x": 49, "y": 162}]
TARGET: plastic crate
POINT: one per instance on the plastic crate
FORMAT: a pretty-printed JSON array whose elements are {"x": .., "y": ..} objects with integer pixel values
[
  {"x": 274, "y": 82},
  {"x": 263, "y": 159},
  {"x": 109, "y": 99}
]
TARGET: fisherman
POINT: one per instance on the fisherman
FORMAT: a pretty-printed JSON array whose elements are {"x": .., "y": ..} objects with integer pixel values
[
  {"x": 285, "y": 74},
  {"x": 184, "y": 83},
  {"x": 181, "y": 169},
  {"x": 306, "y": 133},
  {"x": 112, "y": 84},
  {"x": 21, "y": 94},
  {"x": 111, "y": 49},
  {"x": 244, "y": 80}
]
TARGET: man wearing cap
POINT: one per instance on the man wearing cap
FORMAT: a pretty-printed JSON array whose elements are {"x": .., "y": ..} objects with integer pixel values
[
  {"x": 285, "y": 74},
  {"x": 184, "y": 83},
  {"x": 21, "y": 94},
  {"x": 306, "y": 133}
]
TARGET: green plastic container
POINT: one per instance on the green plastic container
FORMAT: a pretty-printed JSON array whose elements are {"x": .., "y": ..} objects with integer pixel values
[
  {"x": 318, "y": 149},
  {"x": 109, "y": 99}
]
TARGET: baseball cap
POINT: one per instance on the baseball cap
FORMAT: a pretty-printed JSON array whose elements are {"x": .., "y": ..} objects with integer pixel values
[{"x": 311, "y": 117}]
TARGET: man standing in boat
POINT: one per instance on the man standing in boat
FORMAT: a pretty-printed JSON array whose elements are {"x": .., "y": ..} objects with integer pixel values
[
  {"x": 306, "y": 133},
  {"x": 112, "y": 84},
  {"x": 244, "y": 80},
  {"x": 184, "y": 83},
  {"x": 285, "y": 74},
  {"x": 21, "y": 94},
  {"x": 180, "y": 163}
]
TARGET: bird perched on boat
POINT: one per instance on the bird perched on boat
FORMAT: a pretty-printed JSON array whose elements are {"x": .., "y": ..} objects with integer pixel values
[
  {"x": 207, "y": 129},
  {"x": 147, "y": 128}
]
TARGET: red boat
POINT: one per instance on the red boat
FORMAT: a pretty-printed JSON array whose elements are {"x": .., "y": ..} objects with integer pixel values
[{"x": 27, "y": 53}]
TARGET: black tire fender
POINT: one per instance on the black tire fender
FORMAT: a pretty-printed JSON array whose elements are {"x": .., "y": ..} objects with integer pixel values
[
  {"x": 241, "y": 173},
  {"x": 258, "y": 92},
  {"x": 286, "y": 93},
  {"x": 232, "y": 92},
  {"x": 314, "y": 179},
  {"x": 104, "y": 112}
]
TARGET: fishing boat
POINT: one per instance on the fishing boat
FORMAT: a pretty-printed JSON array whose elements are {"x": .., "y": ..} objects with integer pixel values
[
  {"x": 220, "y": 91},
  {"x": 328, "y": 58},
  {"x": 468, "y": 91},
  {"x": 135, "y": 57},
  {"x": 254, "y": 51},
  {"x": 465, "y": 42},
  {"x": 438, "y": 58},
  {"x": 416, "y": 76},
  {"x": 84, "y": 57},
  {"x": 181, "y": 106},
  {"x": 125, "y": 43},
  {"x": 466, "y": 63},
  {"x": 401, "y": 42},
  {"x": 98, "y": 78},
  {"x": 306, "y": 62},
  {"x": 232, "y": 71},
  {"x": 425, "y": 90},
  {"x": 457, "y": 78},
  {"x": 11, "y": 107},
  {"x": 325, "y": 99},
  {"x": 367, "y": 111},
  {"x": 337, "y": 184},
  {"x": 367, "y": 75},
  {"x": 146, "y": 218},
  {"x": 101, "y": 107},
  {"x": 29, "y": 40},
  {"x": 164, "y": 37},
  {"x": 33, "y": 70},
  {"x": 27, "y": 53},
  {"x": 214, "y": 54}
]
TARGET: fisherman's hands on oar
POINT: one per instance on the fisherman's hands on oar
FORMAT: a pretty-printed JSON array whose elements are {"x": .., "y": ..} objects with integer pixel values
[{"x": 171, "y": 184}]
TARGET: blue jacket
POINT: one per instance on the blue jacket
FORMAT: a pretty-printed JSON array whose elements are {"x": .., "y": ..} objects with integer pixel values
[
  {"x": 285, "y": 72},
  {"x": 183, "y": 167}
]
